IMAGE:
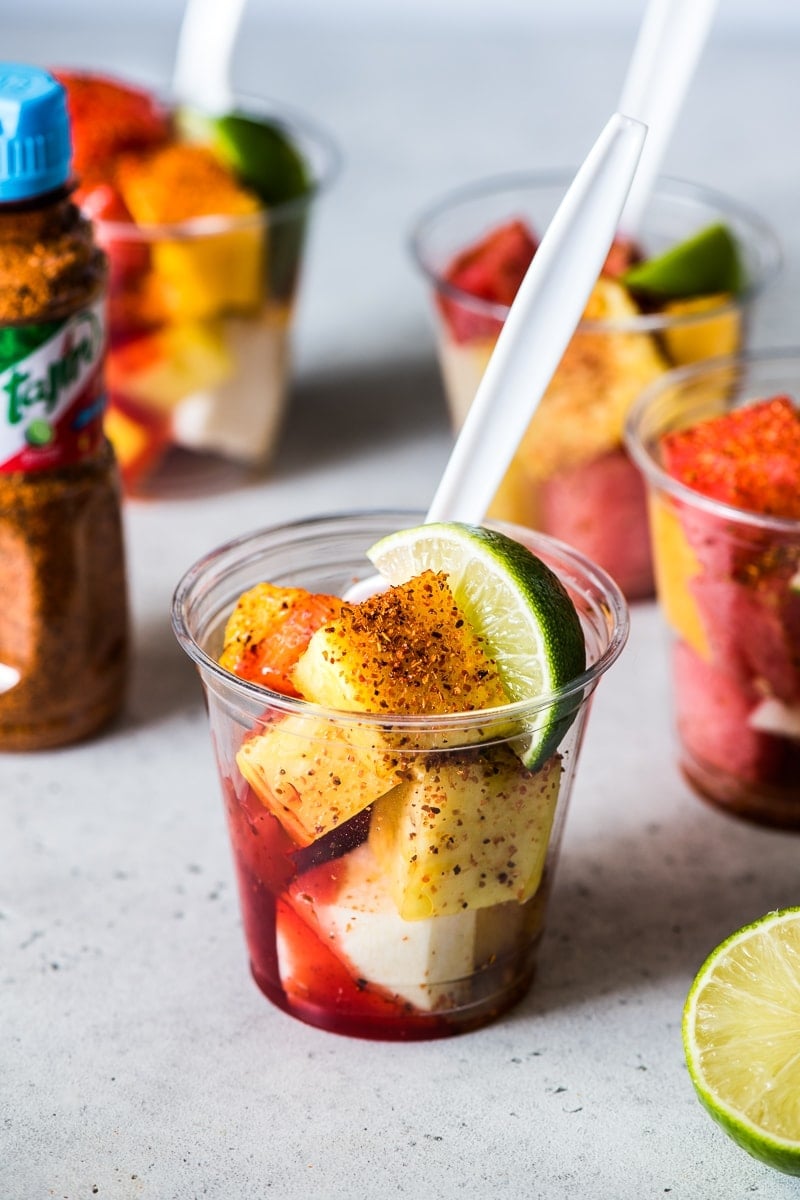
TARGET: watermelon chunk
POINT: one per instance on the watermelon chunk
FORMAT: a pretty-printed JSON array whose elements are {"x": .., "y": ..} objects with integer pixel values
[
  {"x": 713, "y": 710},
  {"x": 575, "y": 505},
  {"x": 748, "y": 458},
  {"x": 754, "y": 629},
  {"x": 109, "y": 117},
  {"x": 270, "y": 629},
  {"x": 490, "y": 270}
]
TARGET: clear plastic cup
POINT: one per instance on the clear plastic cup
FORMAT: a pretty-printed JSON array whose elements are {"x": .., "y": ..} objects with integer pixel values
[
  {"x": 433, "y": 816},
  {"x": 729, "y": 586},
  {"x": 571, "y": 476},
  {"x": 200, "y": 318}
]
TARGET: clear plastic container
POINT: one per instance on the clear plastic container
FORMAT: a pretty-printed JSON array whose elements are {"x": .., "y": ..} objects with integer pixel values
[
  {"x": 417, "y": 908},
  {"x": 729, "y": 586},
  {"x": 571, "y": 476}
]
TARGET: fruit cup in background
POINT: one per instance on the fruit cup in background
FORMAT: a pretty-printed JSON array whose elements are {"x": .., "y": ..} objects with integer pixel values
[
  {"x": 395, "y": 837},
  {"x": 654, "y": 307},
  {"x": 203, "y": 219},
  {"x": 719, "y": 448}
]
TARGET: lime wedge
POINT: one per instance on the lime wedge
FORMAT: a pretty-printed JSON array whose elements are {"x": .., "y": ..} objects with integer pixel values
[
  {"x": 513, "y": 601},
  {"x": 706, "y": 262},
  {"x": 259, "y": 152},
  {"x": 741, "y": 1035}
]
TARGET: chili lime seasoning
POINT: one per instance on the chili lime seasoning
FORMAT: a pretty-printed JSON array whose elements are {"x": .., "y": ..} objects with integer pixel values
[{"x": 63, "y": 595}]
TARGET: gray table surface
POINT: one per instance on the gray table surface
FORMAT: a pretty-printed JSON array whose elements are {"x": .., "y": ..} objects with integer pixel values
[{"x": 137, "y": 1058}]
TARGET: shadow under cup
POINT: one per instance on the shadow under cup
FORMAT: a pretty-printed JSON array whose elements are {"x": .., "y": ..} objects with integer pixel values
[
  {"x": 729, "y": 586},
  {"x": 571, "y": 476},
  {"x": 393, "y": 871}
]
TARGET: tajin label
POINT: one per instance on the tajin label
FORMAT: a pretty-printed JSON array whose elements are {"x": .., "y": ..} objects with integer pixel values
[{"x": 52, "y": 393}]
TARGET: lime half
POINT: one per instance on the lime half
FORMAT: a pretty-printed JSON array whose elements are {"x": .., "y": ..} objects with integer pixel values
[
  {"x": 513, "y": 601},
  {"x": 705, "y": 263},
  {"x": 741, "y": 1035}
]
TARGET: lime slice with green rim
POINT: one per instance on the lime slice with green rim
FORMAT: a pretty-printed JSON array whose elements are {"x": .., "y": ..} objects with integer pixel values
[
  {"x": 259, "y": 152},
  {"x": 741, "y": 1035},
  {"x": 706, "y": 262},
  {"x": 513, "y": 601}
]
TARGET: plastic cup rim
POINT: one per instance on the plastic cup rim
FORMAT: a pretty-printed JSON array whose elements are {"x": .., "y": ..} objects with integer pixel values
[
  {"x": 207, "y": 226},
  {"x": 655, "y": 474},
  {"x": 613, "y": 604},
  {"x": 666, "y": 186}
]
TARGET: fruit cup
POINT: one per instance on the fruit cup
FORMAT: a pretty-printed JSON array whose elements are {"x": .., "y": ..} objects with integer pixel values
[
  {"x": 203, "y": 219},
  {"x": 718, "y": 445},
  {"x": 394, "y": 867},
  {"x": 571, "y": 476}
]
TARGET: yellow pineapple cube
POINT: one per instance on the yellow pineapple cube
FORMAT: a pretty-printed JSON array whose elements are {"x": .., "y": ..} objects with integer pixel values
[
  {"x": 304, "y": 772},
  {"x": 715, "y": 337},
  {"x": 583, "y": 411},
  {"x": 407, "y": 650},
  {"x": 466, "y": 830}
]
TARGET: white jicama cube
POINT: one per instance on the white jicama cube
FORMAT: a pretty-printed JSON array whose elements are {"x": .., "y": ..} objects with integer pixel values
[
  {"x": 239, "y": 417},
  {"x": 348, "y": 905}
]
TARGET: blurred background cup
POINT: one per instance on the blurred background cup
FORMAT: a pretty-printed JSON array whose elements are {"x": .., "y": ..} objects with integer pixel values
[
  {"x": 200, "y": 317},
  {"x": 322, "y": 910},
  {"x": 571, "y": 476},
  {"x": 729, "y": 586}
]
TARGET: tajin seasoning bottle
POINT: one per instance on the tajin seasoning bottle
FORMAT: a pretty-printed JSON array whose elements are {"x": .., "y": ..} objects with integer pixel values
[{"x": 63, "y": 595}]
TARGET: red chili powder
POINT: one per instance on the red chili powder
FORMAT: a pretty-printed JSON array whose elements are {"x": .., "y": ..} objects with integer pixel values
[{"x": 749, "y": 458}]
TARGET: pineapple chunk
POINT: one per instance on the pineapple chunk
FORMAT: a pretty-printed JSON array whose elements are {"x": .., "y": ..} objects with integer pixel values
[
  {"x": 213, "y": 271},
  {"x": 583, "y": 411},
  {"x": 713, "y": 338},
  {"x": 348, "y": 905},
  {"x": 407, "y": 650},
  {"x": 313, "y": 780},
  {"x": 466, "y": 830}
]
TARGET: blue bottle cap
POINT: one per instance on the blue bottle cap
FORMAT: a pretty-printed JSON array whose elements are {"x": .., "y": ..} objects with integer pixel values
[{"x": 35, "y": 143}]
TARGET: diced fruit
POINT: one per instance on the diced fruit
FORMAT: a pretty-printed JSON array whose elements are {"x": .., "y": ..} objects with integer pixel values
[
  {"x": 713, "y": 713},
  {"x": 491, "y": 270},
  {"x": 517, "y": 498},
  {"x": 622, "y": 254},
  {"x": 715, "y": 337},
  {"x": 495, "y": 267},
  {"x": 463, "y": 365},
  {"x": 406, "y": 650},
  {"x": 602, "y": 372},
  {"x": 213, "y": 272},
  {"x": 317, "y": 983},
  {"x": 239, "y": 417},
  {"x": 269, "y": 629},
  {"x": 676, "y": 566},
  {"x": 349, "y": 906},
  {"x": 706, "y": 262},
  {"x": 772, "y": 716},
  {"x": 465, "y": 831},
  {"x": 314, "y": 776},
  {"x": 576, "y": 506},
  {"x": 108, "y": 117},
  {"x": 749, "y": 458},
  {"x": 162, "y": 368},
  {"x": 139, "y": 438},
  {"x": 741, "y": 1037},
  {"x": 181, "y": 182},
  {"x": 754, "y": 628},
  {"x": 127, "y": 256},
  {"x": 257, "y": 151},
  {"x": 512, "y": 601}
]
